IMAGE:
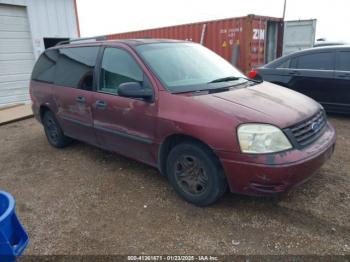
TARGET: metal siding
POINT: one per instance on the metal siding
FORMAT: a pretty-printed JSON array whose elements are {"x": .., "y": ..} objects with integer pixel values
[
  {"x": 14, "y": 2},
  {"x": 23, "y": 25},
  {"x": 51, "y": 19},
  {"x": 221, "y": 36},
  {"x": 72, "y": 22},
  {"x": 62, "y": 24},
  {"x": 52, "y": 14},
  {"x": 16, "y": 55}
]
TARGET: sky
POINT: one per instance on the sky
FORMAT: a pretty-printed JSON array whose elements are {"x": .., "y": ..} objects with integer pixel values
[{"x": 116, "y": 16}]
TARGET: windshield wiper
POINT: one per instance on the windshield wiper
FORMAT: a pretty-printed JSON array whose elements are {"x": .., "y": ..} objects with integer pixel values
[
  {"x": 232, "y": 78},
  {"x": 223, "y": 87},
  {"x": 225, "y": 79}
]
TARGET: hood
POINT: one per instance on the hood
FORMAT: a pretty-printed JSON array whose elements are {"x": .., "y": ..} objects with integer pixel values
[{"x": 263, "y": 103}]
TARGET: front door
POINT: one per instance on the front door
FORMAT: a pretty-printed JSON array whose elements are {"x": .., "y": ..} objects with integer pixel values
[
  {"x": 123, "y": 125},
  {"x": 74, "y": 80},
  {"x": 313, "y": 75}
]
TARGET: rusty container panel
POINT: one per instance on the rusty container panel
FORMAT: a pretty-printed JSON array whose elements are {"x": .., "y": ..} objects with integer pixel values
[
  {"x": 223, "y": 35},
  {"x": 258, "y": 39},
  {"x": 240, "y": 40}
]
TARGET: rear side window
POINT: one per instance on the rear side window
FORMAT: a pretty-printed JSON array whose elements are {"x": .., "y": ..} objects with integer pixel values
[
  {"x": 318, "y": 61},
  {"x": 284, "y": 64},
  {"x": 44, "y": 69},
  {"x": 75, "y": 67},
  {"x": 343, "y": 61},
  {"x": 118, "y": 67}
]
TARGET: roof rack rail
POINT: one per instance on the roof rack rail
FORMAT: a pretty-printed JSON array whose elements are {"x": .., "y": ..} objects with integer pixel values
[{"x": 83, "y": 39}]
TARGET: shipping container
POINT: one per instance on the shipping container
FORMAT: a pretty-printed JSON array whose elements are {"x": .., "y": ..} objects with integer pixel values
[{"x": 246, "y": 41}]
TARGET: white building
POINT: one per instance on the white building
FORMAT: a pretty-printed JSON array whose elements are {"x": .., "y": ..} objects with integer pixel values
[{"x": 27, "y": 28}]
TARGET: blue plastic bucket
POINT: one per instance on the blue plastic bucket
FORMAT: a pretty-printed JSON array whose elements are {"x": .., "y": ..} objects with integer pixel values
[{"x": 13, "y": 237}]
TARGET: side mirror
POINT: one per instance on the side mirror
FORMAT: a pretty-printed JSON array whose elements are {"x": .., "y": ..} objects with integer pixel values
[{"x": 134, "y": 90}]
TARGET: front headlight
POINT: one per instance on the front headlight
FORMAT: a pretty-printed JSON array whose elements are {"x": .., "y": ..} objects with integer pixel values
[{"x": 261, "y": 139}]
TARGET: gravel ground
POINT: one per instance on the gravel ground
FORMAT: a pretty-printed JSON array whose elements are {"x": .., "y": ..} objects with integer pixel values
[{"x": 83, "y": 200}]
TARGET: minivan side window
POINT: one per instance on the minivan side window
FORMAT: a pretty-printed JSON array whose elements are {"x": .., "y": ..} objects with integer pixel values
[
  {"x": 118, "y": 66},
  {"x": 316, "y": 61},
  {"x": 44, "y": 69},
  {"x": 75, "y": 67},
  {"x": 343, "y": 61}
]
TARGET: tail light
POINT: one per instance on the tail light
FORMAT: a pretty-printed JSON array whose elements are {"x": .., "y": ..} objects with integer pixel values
[{"x": 252, "y": 74}]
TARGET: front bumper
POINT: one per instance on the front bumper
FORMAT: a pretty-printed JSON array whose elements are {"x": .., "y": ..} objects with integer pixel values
[{"x": 275, "y": 173}]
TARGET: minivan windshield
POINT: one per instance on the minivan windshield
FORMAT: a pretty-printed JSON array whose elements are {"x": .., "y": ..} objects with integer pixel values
[{"x": 185, "y": 67}]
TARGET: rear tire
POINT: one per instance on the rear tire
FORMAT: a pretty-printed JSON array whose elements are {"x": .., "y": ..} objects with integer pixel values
[
  {"x": 53, "y": 131},
  {"x": 196, "y": 174}
]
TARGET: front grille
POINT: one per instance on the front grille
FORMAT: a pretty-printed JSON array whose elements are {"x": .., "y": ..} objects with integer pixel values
[{"x": 306, "y": 132}]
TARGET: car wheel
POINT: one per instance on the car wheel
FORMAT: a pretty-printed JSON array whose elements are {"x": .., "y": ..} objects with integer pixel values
[
  {"x": 196, "y": 174},
  {"x": 53, "y": 131}
]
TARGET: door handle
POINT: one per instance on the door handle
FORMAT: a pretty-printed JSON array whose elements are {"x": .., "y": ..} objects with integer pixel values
[
  {"x": 293, "y": 73},
  {"x": 101, "y": 104},
  {"x": 80, "y": 99}
]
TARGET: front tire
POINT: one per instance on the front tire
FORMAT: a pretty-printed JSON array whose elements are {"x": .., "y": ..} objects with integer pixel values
[
  {"x": 53, "y": 131},
  {"x": 196, "y": 174}
]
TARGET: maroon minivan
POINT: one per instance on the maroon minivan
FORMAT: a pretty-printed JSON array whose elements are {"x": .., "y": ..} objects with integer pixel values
[{"x": 178, "y": 106}]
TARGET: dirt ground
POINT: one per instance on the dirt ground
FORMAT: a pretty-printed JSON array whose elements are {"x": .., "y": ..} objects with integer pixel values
[{"x": 83, "y": 200}]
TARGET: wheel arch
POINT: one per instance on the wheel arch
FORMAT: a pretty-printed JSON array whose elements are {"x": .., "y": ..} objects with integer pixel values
[
  {"x": 171, "y": 141},
  {"x": 42, "y": 109}
]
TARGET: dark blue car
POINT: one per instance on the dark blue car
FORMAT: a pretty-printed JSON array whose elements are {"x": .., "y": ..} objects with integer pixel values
[{"x": 322, "y": 73}]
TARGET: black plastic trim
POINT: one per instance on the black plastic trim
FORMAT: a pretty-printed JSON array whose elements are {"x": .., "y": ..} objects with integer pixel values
[
  {"x": 78, "y": 122},
  {"x": 126, "y": 135}
]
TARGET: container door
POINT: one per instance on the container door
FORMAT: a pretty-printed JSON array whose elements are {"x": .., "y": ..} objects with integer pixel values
[
  {"x": 298, "y": 35},
  {"x": 271, "y": 41}
]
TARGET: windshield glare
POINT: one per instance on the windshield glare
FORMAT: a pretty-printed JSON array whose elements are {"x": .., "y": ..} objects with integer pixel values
[{"x": 185, "y": 66}]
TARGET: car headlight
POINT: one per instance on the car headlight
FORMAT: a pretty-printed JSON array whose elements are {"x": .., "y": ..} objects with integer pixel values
[{"x": 261, "y": 139}]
